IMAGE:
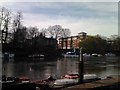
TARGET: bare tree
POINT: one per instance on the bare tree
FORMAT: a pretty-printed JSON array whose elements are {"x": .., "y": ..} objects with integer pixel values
[
  {"x": 44, "y": 31},
  {"x": 32, "y": 32},
  {"x": 17, "y": 22},
  {"x": 20, "y": 35},
  {"x": 4, "y": 23},
  {"x": 57, "y": 31},
  {"x": 65, "y": 33}
]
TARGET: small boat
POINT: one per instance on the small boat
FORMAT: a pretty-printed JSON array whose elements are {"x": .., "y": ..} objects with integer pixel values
[
  {"x": 71, "y": 55},
  {"x": 40, "y": 56},
  {"x": 24, "y": 79},
  {"x": 86, "y": 55},
  {"x": 65, "y": 81},
  {"x": 110, "y": 55},
  {"x": 74, "y": 78},
  {"x": 11, "y": 55},
  {"x": 100, "y": 55},
  {"x": 90, "y": 76},
  {"x": 9, "y": 80},
  {"x": 95, "y": 54}
]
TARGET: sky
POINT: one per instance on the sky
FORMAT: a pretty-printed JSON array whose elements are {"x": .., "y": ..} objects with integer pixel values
[{"x": 90, "y": 17}]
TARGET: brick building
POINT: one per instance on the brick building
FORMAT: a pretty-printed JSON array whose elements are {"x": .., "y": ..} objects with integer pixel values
[{"x": 71, "y": 42}]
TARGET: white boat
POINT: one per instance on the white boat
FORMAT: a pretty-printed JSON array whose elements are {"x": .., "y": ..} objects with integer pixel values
[
  {"x": 74, "y": 78},
  {"x": 8, "y": 55},
  {"x": 110, "y": 55},
  {"x": 95, "y": 54},
  {"x": 100, "y": 55},
  {"x": 71, "y": 55},
  {"x": 90, "y": 76},
  {"x": 37, "y": 56},
  {"x": 86, "y": 55},
  {"x": 11, "y": 55},
  {"x": 65, "y": 81}
]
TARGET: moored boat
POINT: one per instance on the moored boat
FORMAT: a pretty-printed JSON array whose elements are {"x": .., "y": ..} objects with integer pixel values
[
  {"x": 71, "y": 55},
  {"x": 44, "y": 81},
  {"x": 65, "y": 81},
  {"x": 24, "y": 79},
  {"x": 74, "y": 78},
  {"x": 41, "y": 56},
  {"x": 90, "y": 77},
  {"x": 86, "y": 55},
  {"x": 110, "y": 55},
  {"x": 95, "y": 54},
  {"x": 86, "y": 76}
]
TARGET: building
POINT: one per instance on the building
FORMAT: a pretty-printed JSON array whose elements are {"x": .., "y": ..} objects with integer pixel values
[{"x": 71, "y": 42}]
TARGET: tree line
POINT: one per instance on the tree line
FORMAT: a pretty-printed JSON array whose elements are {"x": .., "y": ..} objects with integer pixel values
[
  {"x": 21, "y": 40},
  {"x": 101, "y": 45}
]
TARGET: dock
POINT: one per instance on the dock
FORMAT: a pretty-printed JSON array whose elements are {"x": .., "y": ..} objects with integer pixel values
[{"x": 109, "y": 83}]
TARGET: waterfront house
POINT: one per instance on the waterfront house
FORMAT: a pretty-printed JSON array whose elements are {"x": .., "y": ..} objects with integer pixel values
[{"x": 71, "y": 42}]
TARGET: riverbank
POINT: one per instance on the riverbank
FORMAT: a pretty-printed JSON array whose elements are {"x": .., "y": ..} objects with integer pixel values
[{"x": 110, "y": 83}]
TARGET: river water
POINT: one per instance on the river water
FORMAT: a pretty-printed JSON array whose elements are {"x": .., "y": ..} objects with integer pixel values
[{"x": 38, "y": 69}]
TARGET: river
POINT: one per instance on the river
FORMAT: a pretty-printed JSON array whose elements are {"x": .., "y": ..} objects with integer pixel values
[{"x": 38, "y": 69}]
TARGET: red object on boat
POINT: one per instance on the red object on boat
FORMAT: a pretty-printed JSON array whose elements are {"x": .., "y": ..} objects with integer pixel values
[
  {"x": 71, "y": 76},
  {"x": 24, "y": 78}
]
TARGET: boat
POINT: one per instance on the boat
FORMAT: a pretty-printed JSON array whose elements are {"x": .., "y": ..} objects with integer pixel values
[
  {"x": 100, "y": 55},
  {"x": 7, "y": 56},
  {"x": 24, "y": 79},
  {"x": 86, "y": 55},
  {"x": 11, "y": 55},
  {"x": 41, "y": 56},
  {"x": 65, "y": 81},
  {"x": 71, "y": 55},
  {"x": 74, "y": 78},
  {"x": 110, "y": 55},
  {"x": 90, "y": 77},
  {"x": 44, "y": 81},
  {"x": 9, "y": 80},
  {"x": 95, "y": 54},
  {"x": 16, "y": 83},
  {"x": 86, "y": 76}
]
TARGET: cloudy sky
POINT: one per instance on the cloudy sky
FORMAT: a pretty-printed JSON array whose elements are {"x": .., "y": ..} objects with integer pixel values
[{"x": 90, "y": 17}]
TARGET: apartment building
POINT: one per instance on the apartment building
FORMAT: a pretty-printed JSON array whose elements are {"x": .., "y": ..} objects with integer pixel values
[{"x": 72, "y": 41}]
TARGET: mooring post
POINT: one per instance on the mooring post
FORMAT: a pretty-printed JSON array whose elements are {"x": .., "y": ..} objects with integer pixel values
[{"x": 81, "y": 66}]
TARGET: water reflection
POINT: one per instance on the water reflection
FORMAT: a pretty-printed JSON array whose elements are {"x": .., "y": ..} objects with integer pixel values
[
  {"x": 66, "y": 66},
  {"x": 41, "y": 69}
]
